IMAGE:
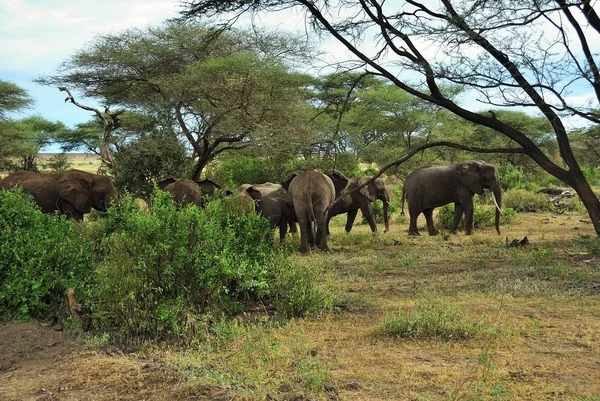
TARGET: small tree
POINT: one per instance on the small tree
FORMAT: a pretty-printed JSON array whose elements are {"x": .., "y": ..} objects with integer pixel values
[{"x": 150, "y": 158}]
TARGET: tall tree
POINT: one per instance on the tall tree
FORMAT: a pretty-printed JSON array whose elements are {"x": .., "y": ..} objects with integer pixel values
[
  {"x": 217, "y": 90},
  {"x": 530, "y": 53}
]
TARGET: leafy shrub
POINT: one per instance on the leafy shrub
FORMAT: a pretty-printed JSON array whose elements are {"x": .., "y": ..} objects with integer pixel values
[
  {"x": 240, "y": 170},
  {"x": 511, "y": 177},
  {"x": 161, "y": 271},
  {"x": 525, "y": 201},
  {"x": 40, "y": 257},
  {"x": 434, "y": 323},
  {"x": 483, "y": 216},
  {"x": 591, "y": 174},
  {"x": 152, "y": 157}
]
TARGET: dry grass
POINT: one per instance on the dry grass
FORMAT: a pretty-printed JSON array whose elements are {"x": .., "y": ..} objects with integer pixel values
[{"x": 541, "y": 301}]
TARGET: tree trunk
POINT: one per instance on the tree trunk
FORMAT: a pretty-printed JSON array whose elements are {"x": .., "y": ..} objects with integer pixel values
[
  {"x": 589, "y": 199},
  {"x": 198, "y": 168}
]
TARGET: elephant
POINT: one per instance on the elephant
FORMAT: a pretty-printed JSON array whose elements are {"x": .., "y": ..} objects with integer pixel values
[
  {"x": 247, "y": 196},
  {"x": 276, "y": 205},
  {"x": 432, "y": 186},
  {"x": 184, "y": 192},
  {"x": 211, "y": 188},
  {"x": 312, "y": 194},
  {"x": 360, "y": 199},
  {"x": 72, "y": 192}
]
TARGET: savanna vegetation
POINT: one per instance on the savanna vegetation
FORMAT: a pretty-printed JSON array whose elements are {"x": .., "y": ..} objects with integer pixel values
[{"x": 206, "y": 303}]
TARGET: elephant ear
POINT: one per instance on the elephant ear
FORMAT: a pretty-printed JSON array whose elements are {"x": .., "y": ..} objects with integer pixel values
[
  {"x": 162, "y": 184},
  {"x": 469, "y": 174},
  {"x": 286, "y": 182},
  {"x": 254, "y": 193},
  {"x": 369, "y": 191},
  {"x": 76, "y": 188},
  {"x": 339, "y": 180}
]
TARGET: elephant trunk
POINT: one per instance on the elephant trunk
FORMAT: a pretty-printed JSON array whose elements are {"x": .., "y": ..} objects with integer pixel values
[
  {"x": 386, "y": 207},
  {"x": 497, "y": 197}
]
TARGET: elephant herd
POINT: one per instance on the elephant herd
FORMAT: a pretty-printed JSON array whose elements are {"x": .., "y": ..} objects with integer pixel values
[{"x": 308, "y": 198}]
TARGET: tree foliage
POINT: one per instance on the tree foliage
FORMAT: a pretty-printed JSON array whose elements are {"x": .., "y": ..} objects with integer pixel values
[
  {"x": 12, "y": 98},
  {"x": 217, "y": 90}
]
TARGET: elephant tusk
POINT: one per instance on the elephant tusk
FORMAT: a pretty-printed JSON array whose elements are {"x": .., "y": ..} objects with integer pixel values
[{"x": 496, "y": 203}]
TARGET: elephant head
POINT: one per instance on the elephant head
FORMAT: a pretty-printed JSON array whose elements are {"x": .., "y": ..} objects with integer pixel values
[
  {"x": 211, "y": 188},
  {"x": 85, "y": 190},
  {"x": 374, "y": 190},
  {"x": 340, "y": 182},
  {"x": 477, "y": 176},
  {"x": 247, "y": 195}
]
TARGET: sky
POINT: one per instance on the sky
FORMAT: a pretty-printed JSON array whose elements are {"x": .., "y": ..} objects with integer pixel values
[{"x": 37, "y": 35}]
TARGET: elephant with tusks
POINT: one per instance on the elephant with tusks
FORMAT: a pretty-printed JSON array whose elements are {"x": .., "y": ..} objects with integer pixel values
[{"x": 433, "y": 186}]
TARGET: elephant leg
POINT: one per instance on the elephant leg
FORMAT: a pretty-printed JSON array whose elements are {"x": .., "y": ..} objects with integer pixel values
[
  {"x": 469, "y": 217},
  {"x": 283, "y": 225},
  {"x": 430, "y": 226},
  {"x": 458, "y": 211},
  {"x": 368, "y": 213},
  {"x": 350, "y": 219},
  {"x": 322, "y": 232},
  {"x": 412, "y": 226},
  {"x": 305, "y": 232}
]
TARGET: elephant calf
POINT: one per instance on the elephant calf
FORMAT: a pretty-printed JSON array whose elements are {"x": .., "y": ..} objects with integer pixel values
[
  {"x": 429, "y": 187},
  {"x": 360, "y": 199},
  {"x": 276, "y": 205},
  {"x": 72, "y": 193}
]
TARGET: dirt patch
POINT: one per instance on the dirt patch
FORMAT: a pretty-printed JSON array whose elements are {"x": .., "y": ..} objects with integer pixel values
[{"x": 42, "y": 364}]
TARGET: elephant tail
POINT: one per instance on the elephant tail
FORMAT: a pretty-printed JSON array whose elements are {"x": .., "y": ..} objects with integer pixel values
[{"x": 403, "y": 197}]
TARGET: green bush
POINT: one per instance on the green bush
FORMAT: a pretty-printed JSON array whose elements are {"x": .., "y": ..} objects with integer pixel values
[
  {"x": 239, "y": 170},
  {"x": 525, "y": 201},
  {"x": 511, "y": 177},
  {"x": 161, "y": 271},
  {"x": 40, "y": 257},
  {"x": 483, "y": 216}
]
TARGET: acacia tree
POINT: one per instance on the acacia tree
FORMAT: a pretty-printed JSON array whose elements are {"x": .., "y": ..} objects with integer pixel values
[
  {"x": 530, "y": 53},
  {"x": 217, "y": 90}
]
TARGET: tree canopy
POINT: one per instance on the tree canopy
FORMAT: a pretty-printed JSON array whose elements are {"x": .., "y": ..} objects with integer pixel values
[
  {"x": 217, "y": 90},
  {"x": 532, "y": 54}
]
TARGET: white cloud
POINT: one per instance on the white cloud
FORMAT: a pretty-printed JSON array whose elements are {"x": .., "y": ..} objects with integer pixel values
[{"x": 37, "y": 35}]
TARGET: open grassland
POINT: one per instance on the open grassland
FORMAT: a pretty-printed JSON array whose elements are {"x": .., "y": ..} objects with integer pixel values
[{"x": 414, "y": 318}]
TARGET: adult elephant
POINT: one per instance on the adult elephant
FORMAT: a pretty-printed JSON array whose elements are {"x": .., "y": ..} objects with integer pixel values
[
  {"x": 184, "y": 191},
  {"x": 360, "y": 199},
  {"x": 72, "y": 193},
  {"x": 429, "y": 187},
  {"x": 312, "y": 194}
]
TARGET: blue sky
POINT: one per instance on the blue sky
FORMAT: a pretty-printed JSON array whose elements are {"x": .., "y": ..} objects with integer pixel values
[{"x": 36, "y": 35}]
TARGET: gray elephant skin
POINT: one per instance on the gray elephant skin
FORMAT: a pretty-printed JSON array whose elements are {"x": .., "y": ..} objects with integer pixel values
[
  {"x": 360, "y": 199},
  {"x": 429, "y": 187},
  {"x": 183, "y": 192},
  {"x": 72, "y": 193},
  {"x": 312, "y": 194},
  {"x": 276, "y": 205}
]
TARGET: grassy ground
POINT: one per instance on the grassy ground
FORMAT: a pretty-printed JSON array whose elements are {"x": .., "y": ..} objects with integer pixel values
[{"x": 415, "y": 318}]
